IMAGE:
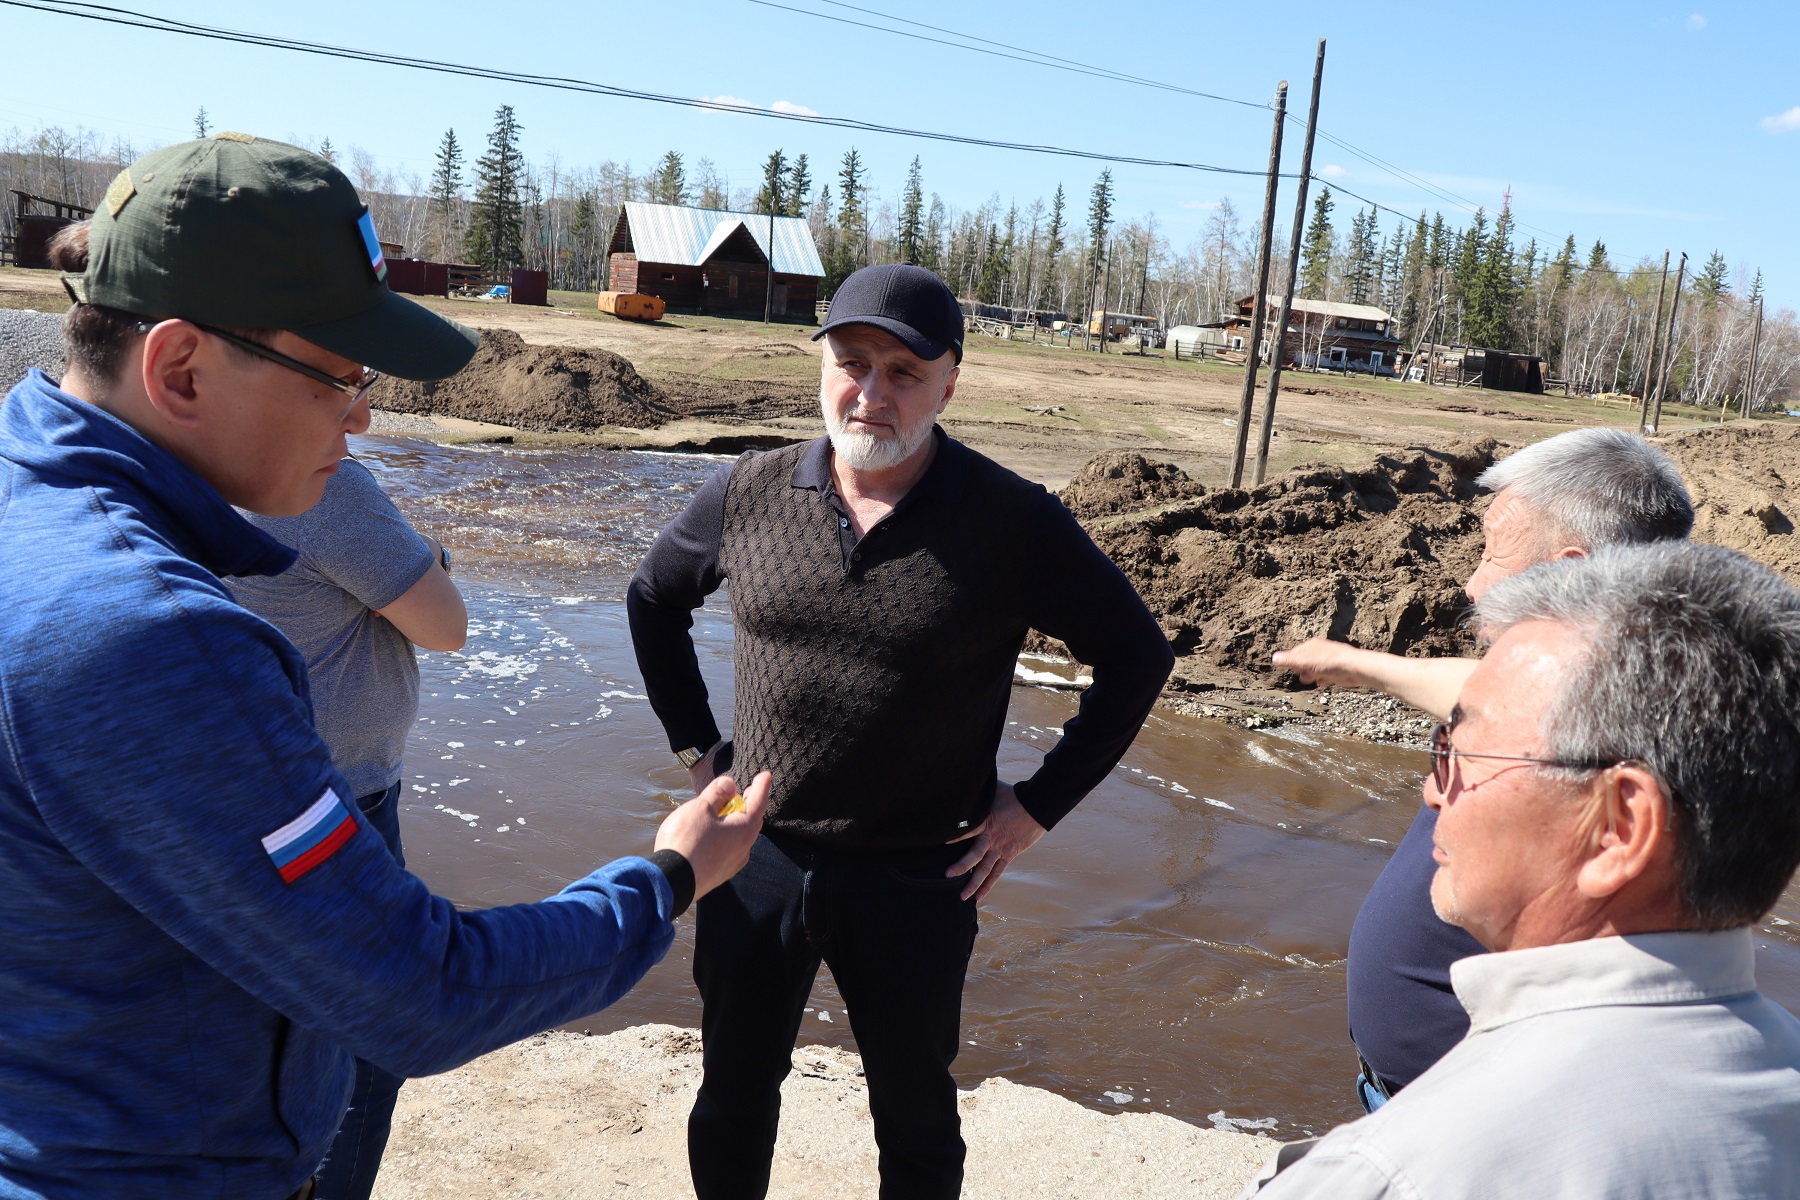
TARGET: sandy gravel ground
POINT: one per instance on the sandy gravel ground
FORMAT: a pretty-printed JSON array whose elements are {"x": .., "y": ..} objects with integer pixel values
[{"x": 565, "y": 1115}]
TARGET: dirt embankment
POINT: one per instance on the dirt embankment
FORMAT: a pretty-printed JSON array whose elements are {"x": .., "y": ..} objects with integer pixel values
[
  {"x": 1371, "y": 556},
  {"x": 568, "y": 389},
  {"x": 1375, "y": 557}
]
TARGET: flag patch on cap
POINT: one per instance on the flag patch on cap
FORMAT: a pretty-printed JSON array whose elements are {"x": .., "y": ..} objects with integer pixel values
[
  {"x": 310, "y": 838},
  {"x": 365, "y": 225}
]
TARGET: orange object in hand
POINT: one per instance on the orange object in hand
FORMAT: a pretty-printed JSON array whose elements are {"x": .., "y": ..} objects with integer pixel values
[{"x": 733, "y": 805}]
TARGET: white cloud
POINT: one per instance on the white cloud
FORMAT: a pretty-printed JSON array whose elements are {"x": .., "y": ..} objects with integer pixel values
[
  {"x": 787, "y": 107},
  {"x": 1200, "y": 205},
  {"x": 1787, "y": 122},
  {"x": 1332, "y": 171},
  {"x": 1695, "y": 22}
]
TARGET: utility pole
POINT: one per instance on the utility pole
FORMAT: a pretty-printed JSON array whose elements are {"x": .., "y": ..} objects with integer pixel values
[
  {"x": 769, "y": 291},
  {"x": 1259, "y": 315},
  {"x": 1668, "y": 350},
  {"x": 1755, "y": 344},
  {"x": 1287, "y": 301},
  {"x": 1105, "y": 288},
  {"x": 1655, "y": 340}
]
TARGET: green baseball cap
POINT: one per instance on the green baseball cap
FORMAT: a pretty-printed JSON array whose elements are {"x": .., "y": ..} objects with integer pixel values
[{"x": 243, "y": 232}]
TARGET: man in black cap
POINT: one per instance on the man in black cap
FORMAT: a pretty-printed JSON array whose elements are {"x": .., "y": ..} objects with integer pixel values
[
  {"x": 203, "y": 930},
  {"x": 883, "y": 578}
]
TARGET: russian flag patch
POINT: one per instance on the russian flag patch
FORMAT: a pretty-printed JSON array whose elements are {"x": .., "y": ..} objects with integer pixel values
[{"x": 310, "y": 838}]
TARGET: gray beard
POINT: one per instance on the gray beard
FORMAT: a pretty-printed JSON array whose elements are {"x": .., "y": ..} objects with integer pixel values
[{"x": 867, "y": 452}]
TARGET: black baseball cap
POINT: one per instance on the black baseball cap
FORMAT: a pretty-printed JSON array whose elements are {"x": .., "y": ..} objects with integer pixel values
[
  {"x": 241, "y": 231},
  {"x": 909, "y": 302}
]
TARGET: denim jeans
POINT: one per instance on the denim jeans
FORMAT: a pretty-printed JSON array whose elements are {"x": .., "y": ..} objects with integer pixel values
[
  {"x": 348, "y": 1172},
  {"x": 896, "y": 935}
]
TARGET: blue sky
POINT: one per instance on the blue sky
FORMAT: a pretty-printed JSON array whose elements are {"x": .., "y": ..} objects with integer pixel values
[{"x": 1650, "y": 125}]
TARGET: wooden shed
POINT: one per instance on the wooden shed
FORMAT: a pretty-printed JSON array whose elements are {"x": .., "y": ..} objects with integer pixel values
[{"x": 713, "y": 261}]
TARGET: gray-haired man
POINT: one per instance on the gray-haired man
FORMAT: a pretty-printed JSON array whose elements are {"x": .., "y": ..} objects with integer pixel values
[
  {"x": 1561, "y": 498},
  {"x": 1615, "y": 792}
]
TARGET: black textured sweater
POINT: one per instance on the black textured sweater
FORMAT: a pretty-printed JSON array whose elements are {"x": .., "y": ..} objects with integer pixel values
[{"x": 873, "y": 675}]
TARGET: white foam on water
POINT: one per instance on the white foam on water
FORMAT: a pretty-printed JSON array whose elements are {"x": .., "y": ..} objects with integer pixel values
[
  {"x": 621, "y": 695},
  {"x": 1217, "y": 803},
  {"x": 1115, "y": 1097},
  {"x": 1240, "y": 1124},
  {"x": 454, "y": 745},
  {"x": 1026, "y": 674}
]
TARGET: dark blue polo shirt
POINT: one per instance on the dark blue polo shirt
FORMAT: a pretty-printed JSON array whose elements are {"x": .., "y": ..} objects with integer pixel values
[{"x": 1403, "y": 1015}]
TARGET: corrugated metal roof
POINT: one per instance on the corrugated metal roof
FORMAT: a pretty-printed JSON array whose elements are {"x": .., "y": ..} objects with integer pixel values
[
  {"x": 1327, "y": 308},
  {"x": 666, "y": 233}
]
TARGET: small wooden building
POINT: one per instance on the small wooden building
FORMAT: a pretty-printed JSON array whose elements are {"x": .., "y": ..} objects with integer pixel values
[
  {"x": 1328, "y": 334},
  {"x": 31, "y": 242},
  {"x": 713, "y": 261}
]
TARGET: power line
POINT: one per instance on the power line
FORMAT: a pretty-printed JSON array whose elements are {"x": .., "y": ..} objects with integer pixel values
[
  {"x": 1036, "y": 58},
  {"x": 1041, "y": 59},
  {"x": 107, "y": 14}
]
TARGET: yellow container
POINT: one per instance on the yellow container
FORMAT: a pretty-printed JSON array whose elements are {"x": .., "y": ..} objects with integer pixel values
[{"x": 632, "y": 306}]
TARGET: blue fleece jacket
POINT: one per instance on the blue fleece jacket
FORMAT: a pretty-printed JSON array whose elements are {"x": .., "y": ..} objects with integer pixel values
[{"x": 177, "y": 1019}]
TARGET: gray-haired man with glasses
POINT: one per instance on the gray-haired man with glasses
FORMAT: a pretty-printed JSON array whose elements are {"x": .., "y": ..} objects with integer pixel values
[
  {"x": 1616, "y": 809},
  {"x": 1564, "y": 497}
]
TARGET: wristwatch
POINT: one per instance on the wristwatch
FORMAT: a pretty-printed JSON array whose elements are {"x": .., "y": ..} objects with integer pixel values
[
  {"x": 694, "y": 754},
  {"x": 444, "y": 557}
]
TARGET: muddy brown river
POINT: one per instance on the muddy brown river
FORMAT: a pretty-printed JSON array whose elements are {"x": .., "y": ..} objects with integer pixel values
[{"x": 1176, "y": 944}]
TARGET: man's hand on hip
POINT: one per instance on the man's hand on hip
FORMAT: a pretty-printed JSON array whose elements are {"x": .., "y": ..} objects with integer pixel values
[
  {"x": 1008, "y": 832},
  {"x": 716, "y": 847}
]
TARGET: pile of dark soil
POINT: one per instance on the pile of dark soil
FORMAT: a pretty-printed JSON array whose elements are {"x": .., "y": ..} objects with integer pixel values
[
  {"x": 1375, "y": 557},
  {"x": 548, "y": 389},
  {"x": 1123, "y": 480}
]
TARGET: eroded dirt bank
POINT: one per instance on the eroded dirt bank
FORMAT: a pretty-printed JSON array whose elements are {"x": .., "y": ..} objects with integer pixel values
[{"x": 1375, "y": 557}]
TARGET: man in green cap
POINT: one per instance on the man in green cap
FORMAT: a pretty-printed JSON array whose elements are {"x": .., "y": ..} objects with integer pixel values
[{"x": 203, "y": 932}]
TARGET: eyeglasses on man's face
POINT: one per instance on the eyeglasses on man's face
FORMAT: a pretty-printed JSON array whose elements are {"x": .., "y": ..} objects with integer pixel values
[
  {"x": 356, "y": 390},
  {"x": 1442, "y": 752}
]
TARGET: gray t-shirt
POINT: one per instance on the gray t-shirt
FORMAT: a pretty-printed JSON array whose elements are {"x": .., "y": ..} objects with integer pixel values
[{"x": 357, "y": 554}]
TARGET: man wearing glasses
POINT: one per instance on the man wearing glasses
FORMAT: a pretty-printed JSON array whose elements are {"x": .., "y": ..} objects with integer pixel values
[
  {"x": 1564, "y": 497},
  {"x": 1615, "y": 800},
  {"x": 203, "y": 930},
  {"x": 365, "y": 590}
]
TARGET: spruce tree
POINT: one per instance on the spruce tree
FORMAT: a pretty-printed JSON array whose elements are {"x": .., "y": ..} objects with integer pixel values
[
  {"x": 1597, "y": 262},
  {"x": 1359, "y": 257},
  {"x": 1316, "y": 249},
  {"x": 446, "y": 193},
  {"x": 799, "y": 184},
  {"x": 773, "y": 194},
  {"x": 987, "y": 288},
  {"x": 581, "y": 233},
  {"x": 1100, "y": 202},
  {"x": 912, "y": 216},
  {"x": 668, "y": 183},
  {"x": 201, "y": 124},
  {"x": 1416, "y": 298},
  {"x": 497, "y": 225},
  {"x": 1756, "y": 291},
  {"x": 852, "y": 222},
  {"x": 1713, "y": 282},
  {"x": 1053, "y": 236},
  {"x": 328, "y": 152},
  {"x": 1491, "y": 293}
]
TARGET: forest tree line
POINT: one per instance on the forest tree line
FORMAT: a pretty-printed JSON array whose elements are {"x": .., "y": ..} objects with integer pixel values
[{"x": 1473, "y": 284}]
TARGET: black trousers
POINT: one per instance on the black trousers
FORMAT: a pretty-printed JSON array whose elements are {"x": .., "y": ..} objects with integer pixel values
[{"x": 896, "y": 935}]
